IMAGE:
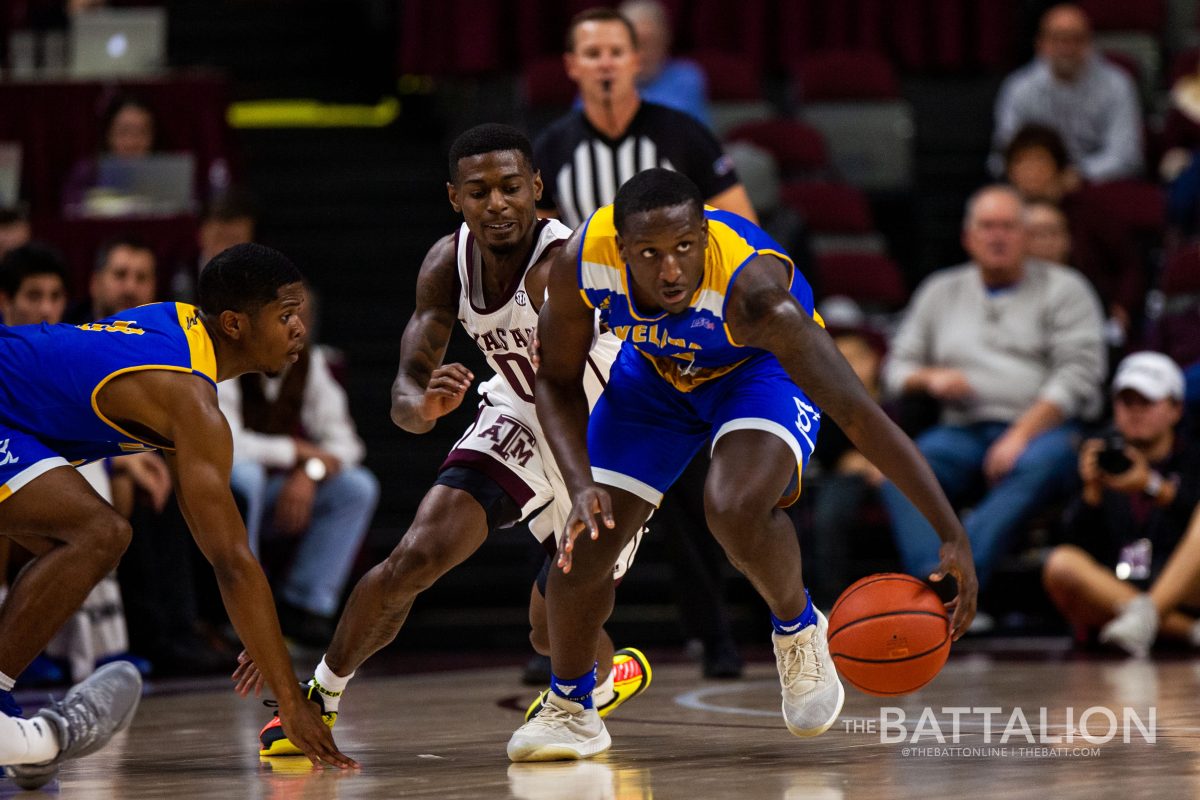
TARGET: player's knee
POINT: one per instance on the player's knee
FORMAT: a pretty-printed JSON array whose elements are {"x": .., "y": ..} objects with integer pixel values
[
  {"x": 539, "y": 638},
  {"x": 414, "y": 565},
  {"x": 734, "y": 516},
  {"x": 108, "y": 537},
  {"x": 1061, "y": 570}
]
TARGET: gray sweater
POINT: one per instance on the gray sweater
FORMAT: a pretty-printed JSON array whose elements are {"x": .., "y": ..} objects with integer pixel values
[{"x": 1039, "y": 339}]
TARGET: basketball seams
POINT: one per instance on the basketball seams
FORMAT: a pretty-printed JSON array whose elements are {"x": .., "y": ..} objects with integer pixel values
[
  {"x": 873, "y": 579},
  {"x": 899, "y": 660},
  {"x": 886, "y": 614}
]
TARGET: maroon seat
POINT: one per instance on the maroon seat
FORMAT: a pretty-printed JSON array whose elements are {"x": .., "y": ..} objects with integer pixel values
[
  {"x": 710, "y": 25},
  {"x": 845, "y": 75},
  {"x": 1181, "y": 274},
  {"x": 1124, "y": 15},
  {"x": 797, "y": 148},
  {"x": 1185, "y": 63},
  {"x": 730, "y": 77},
  {"x": 1177, "y": 331},
  {"x": 829, "y": 207},
  {"x": 454, "y": 37},
  {"x": 1141, "y": 205},
  {"x": 545, "y": 84},
  {"x": 870, "y": 278}
]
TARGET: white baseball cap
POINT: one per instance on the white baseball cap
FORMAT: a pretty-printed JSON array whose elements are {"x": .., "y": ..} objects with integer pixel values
[{"x": 1152, "y": 375}]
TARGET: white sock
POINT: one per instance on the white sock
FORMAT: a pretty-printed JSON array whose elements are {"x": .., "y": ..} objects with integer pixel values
[
  {"x": 6, "y": 683},
  {"x": 330, "y": 685},
  {"x": 27, "y": 741},
  {"x": 603, "y": 693}
]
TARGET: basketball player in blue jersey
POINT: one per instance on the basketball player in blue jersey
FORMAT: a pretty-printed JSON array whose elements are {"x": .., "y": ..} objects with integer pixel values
[
  {"x": 490, "y": 275},
  {"x": 143, "y": 379},
  {"x": 720, "y": 342}
]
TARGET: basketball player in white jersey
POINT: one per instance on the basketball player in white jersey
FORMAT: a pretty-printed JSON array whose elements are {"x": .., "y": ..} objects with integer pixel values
[{"x": 491, "y": 275}]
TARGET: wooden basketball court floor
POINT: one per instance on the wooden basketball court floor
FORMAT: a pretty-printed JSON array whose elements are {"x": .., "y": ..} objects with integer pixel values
[{"x": 442, "y": 735}]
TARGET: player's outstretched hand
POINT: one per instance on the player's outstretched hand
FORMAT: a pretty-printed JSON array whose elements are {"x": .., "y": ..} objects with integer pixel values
[
  {"x": 304, "y": 728},
  {"x": 958, "y": 562},
  {"x": 445, "y": 391},
  {"x": 589, "y": 503},
  {"x": 246, "y": 677}
]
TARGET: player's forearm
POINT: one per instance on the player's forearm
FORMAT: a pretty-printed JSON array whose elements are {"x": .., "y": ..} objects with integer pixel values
[
  {"x": 251, "y": 609},
  {"x": 408, "y": 400},
  {"x": 563, "y": 413}
]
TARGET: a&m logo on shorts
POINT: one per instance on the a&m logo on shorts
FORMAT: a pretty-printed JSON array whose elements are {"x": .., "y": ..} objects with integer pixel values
[{"x": 512, "y": 440}]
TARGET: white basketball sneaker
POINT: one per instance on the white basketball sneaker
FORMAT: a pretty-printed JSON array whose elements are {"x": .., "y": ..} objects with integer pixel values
[
  {"x": 92, "y": 712},
  {"x": 562, "y": 731},
  {"x": 812, "y": 693}
]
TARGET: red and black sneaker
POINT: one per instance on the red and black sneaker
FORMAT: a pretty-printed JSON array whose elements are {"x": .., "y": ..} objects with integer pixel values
[{"x": 274, "y": 742}]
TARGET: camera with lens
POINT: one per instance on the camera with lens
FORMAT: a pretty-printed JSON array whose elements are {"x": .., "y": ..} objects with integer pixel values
[{"x": 1112, "y": 458}]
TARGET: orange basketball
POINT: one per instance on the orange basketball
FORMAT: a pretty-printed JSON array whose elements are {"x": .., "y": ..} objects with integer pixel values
[{"x": 889, "y": 634}]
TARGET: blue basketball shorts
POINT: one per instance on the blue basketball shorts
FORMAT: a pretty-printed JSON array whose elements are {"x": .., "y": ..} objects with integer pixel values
[
  {"x": 23, "y": 457},
  {"x": 643, "y": 432}
]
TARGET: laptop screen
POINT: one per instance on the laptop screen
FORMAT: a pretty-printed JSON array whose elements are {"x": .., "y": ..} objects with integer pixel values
[
  {"x": 118, "y": 41},
  {"x": 10, "y": 173}
]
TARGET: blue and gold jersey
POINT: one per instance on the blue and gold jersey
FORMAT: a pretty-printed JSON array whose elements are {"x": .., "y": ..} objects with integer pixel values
[
  {"x": 695, "y": 345},
  {"x": 50, "y": 375}
]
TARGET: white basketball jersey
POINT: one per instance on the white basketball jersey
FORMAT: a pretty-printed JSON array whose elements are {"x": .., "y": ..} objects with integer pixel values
[
  {"x": 506, "y": 428},
  {"x": 503, "y": 331}
]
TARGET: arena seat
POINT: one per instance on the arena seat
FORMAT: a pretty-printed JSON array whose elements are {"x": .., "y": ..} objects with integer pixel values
[
  {"x": 869, "y": 278},
  {"x": 1176, "y": 331},
  {"x": 829, "y": 207},
  {"x": 798, "y": 148}
]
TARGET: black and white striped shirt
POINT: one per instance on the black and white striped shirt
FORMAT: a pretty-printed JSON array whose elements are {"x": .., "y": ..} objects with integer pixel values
[{"x": 582, "y": 168}]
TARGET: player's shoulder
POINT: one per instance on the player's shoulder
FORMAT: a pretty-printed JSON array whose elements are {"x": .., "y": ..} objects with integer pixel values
[
  {"x": 442, "y": 256},
  {"x": 444, "y": 249}
]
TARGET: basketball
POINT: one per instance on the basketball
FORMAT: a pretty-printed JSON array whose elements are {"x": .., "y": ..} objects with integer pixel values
[{"x": 889, "y": 634}]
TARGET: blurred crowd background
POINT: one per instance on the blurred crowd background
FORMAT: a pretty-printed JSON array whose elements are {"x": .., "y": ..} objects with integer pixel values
[{"x": 138, "y": 139}]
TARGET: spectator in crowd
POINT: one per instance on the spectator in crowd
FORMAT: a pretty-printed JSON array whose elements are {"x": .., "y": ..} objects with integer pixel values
[
  {"x": 128, "y": 130},
  {"x": 33, "y": 285},
  {"x": 1092, "y": 104},
  {"x": 1047, "y": 232},
  {"x": 1012, "y": 348},
  {"x": 14, "y": 229},
  {"x": 1038, "y": 166},
  {"x": 1179, "y": 168},
  {"x": 1181, "y": 128},
  {"x": 672, "y": 82},
  {"x": 1131, "y": 562},
  {"x": 588, "y": 153},
  {"x": 125, "y": 276},
  {"x": 615, "y": 135},
  {"x": 297, "y": 466},
  {"x": 231, "y": 218}
]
